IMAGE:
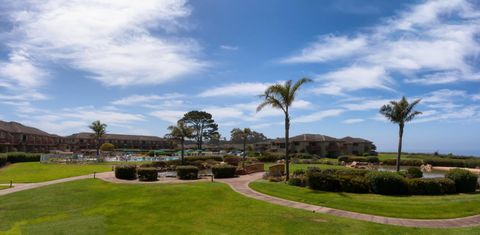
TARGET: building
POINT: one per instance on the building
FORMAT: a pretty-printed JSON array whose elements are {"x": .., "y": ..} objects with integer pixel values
[
  {"x": 79, "y": 141},
  {"x": 18, "y": 137},
  {"x": 321, "y": 145}
]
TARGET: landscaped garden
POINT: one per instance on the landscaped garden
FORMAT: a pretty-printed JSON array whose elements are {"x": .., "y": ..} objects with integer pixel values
[{"x": 96, "y": 207}]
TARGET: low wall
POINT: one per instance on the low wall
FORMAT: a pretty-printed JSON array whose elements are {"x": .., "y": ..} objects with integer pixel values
[{"x": 253, "y": 168}]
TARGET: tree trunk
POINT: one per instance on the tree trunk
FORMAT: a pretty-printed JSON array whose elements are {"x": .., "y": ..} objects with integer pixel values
[
  {"x": 287, "y": 147},
  {"x": 98, "y": 147},
  {"x": 244, "y": 152},
  {"x": 183, "y": 151},
  {"x": 400, "y": 139}
]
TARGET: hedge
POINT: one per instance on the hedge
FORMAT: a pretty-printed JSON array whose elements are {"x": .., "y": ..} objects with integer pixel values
[
  {"x": 296, "y": 181},
  {"x": 203, "y": 158},
  {"x": 465, "y": 181},
  {"x": 3, "y": 160},
  {"x": 224, "y": 171},
  {"x": 14, "y": 157},
  {"x": 453, "y": 162},
  {"x": 126, "y": 172},
  {"x": 403, "y": 162},
  {"x": 336, "y": 180},
  {"x": 232, "y": 160},
  {"x": 147, "y": 174},
  {"x": 187, "y": 172},
  {"x": 387, "y": 183},
  {"x": 269, "y": 157},
  {"x": 414, "y": 172},
  {"x": 437, "y": 186}
]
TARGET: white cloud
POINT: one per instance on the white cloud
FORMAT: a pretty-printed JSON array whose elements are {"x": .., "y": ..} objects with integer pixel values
[
  {"x": 443, "y": 96},
  {"x": 476, "y": 97},
  {"x": 351, "y": 79},
  {"x": 228, "y": 47},
  {"x": 171, "y": 116},
  {"x": 327, "y": 48},
  {"x": 317, "y": 116},
  {"x": 366, "y": 105},
  {"x": 468, "y": 113},
  {"x": 110, "y": 40},
  {"x": 236, "y": 89},
  {"x": 142, "y": 99},
  {"x": 434, "y": 42},
  {"x": 353, "y": 121}
]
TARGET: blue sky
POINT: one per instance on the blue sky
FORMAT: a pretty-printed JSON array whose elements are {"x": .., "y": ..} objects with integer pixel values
[{"x": 138, "y": 66}]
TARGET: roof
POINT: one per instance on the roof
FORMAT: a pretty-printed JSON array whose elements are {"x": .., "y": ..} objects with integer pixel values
[
  {"x": 86, "y": 135},
  {"x": 350, "y": 139},
  {"x": 15, "y": 127},
  {"x": 308, "y": 138}
]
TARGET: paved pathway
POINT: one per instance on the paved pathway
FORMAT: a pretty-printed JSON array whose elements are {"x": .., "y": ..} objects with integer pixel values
[{"x": 240, "y": 185}]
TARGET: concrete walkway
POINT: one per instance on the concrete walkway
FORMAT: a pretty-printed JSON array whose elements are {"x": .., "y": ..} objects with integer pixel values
[{"x": 240, "y": 185}]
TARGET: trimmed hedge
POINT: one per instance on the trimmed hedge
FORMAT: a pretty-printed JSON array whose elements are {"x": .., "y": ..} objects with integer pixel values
[
  {"x": 126, "y": 172},
  {"x": 373, "y": 159},
  {"x": 387, "y": 183},
  {"x": 465, "y": 181},
  {"x": 3, "y": 160},
  {"x": 453, "y": 162},
  {"x": 403, "y": 162},
  {"x": 353, "y": 184},
  {"x": 203, "y": 158},
  {"x": 337, "y": 180},
  {"x": 187, "y": 172},
  {"x": 296, "y": 181},
  {"x": 270, "y": 157},
  {"x": 14, "y": 157},
  {"x": 224, "y": 171},
  {"x": 159, "y": 164},
  {"x": 147, "y": 174},
  {"x": 437, "y": 186},
  {"x": 413, "y": 172},
  {"x": 232, "y": 160}
]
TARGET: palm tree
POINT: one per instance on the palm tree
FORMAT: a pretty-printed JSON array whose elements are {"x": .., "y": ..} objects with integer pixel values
[
  {"x": 180, "y": 132},
  {"x": 400, "y": 112},
  {"x": 242, "y": 134},
  {"x": 281, "y": 96},
  {"x": 99, "y": 130}
]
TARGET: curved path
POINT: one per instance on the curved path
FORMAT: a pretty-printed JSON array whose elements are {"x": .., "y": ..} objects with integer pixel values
[{"x": 240, "y": 185}]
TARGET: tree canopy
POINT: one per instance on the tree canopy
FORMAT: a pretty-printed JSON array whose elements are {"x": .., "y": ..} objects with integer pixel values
[
  {"x": 237, "y": 137},
  {"x": 203, "y": 125}
]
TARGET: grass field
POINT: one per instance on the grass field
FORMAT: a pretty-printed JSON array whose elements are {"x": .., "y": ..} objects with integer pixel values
[
  {"x": 96, "y": 207},
  {"x": 30, "y": 172},
  {"x": 418, "y": 207},
  {"x": 3, "y": 187}
]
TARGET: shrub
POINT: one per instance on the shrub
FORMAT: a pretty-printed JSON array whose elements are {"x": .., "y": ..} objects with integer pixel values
[
  {"x": 203, "y": 158},
  {"x": 445, "y": 162},
  {"x": 465, "y": 181},
  {"x": 298, "y": 172},
  {"x": 269, "y": 157},
  {"x": 373, "y": 159},
  {"x": 159, "y": 164},
  {"x": 232, "y": 160},
  {"x": 413, "y": 172},
  {"x": 126, "y": 172},
  {"x": 351, "y": 172},
  {"x": 14, "y": 157},
  {"x": 388, "y": 183},
  {"x": 223, "y": 171},
  {"x": 403, "y": 162},
  {"x": 187, "y": 172},
  {"x": 296, "y": 181},
  {"x": 325, "y": 180},
  {"x": 3, "y": 160},
  {"x": 107, "y": 147},
  {"x": 147, "y": 174},
  {"x": 431, "y": 186},
  {"x": 353, "y": 184},
  {"x": 352, "y": 159}
]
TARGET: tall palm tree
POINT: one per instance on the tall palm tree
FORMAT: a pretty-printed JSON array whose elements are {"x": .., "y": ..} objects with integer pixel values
[
  {"x": 99, "y": 130},
  {"x": 180, "y": 132},
  {"x": 242, "y": 134},
  {"x": 281, "y": 96},
  {"x": 400, "y": 112}
]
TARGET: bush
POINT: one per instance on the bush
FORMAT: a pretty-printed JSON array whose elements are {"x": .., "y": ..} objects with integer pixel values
[
  {"x": 107, "y": 147},
  {"x": 388, "y": 183},
  {"x": 345, "y": 180},
  {"x": 232, "y": 160},
  {"x": 324, "y": 180},
  {"x": 3, "y": 160},
  {"x": 413, "y": 172},
  {"x": 126, "y": 172},
  {"x": 147, "y": 174},
  {"x": 403, "y": 162},
  {"x": 187, "y": 172},
  {"x": 373, "y": 159},
  {"x": 296, "y": 181},
  {"x": 352, "y": 159},
  {"x": 431, "y": 186},
  {"x": 270, "y": 157},
  {"x": 223, "y": 171},
  {"x": 14, "y": 157},
  {"x": 203, "y": 158},
  {"x": 445, "y": 162},
  {"x": 465, "y": 181},
  {"x": 353, "y": 184},
  {"x": 159, "y": 164}
]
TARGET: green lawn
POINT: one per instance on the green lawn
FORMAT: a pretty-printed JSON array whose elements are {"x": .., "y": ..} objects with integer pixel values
[
  {"x": 29, "y": 172},
  {"x": 3, "y": 187},
  {"x": 96, "y": 207},
  {"x": 419, "y": 207},
  {"x": 294, "y": 167}
]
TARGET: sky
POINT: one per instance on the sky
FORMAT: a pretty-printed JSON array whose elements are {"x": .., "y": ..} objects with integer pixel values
[{"x": 140, "y": 65}]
